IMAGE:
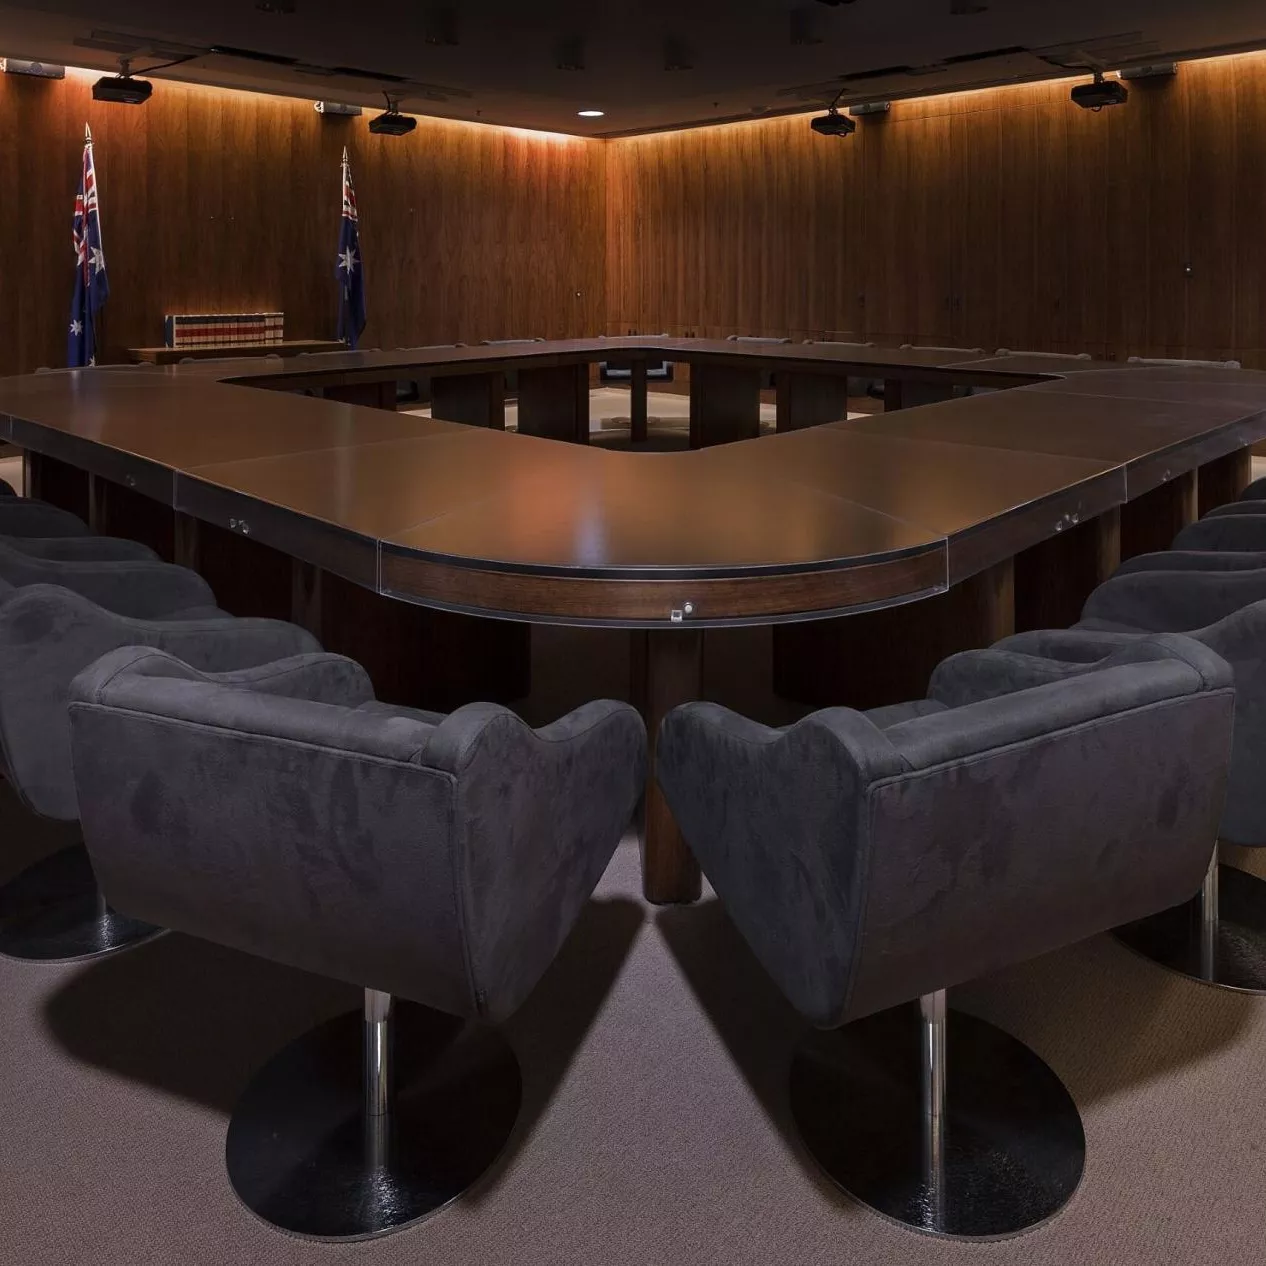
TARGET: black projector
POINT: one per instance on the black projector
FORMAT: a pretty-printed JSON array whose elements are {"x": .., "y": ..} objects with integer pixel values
[
  {"x": 833, "y": 123},
  {"x": 1103, "y": 92},
  {"x": 122, "y": 89},
  {"x": 393, "y": 124}
]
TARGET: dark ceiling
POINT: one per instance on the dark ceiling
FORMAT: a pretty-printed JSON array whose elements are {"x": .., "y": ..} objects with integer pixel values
[{"x": 648, "y": 65}]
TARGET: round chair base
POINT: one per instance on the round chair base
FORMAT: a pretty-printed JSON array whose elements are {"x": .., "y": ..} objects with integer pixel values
[
  {"x": 1014, "y": 1144},
  {"x": 302, "y": 1154},
  {"x": 1172, "y": 938},
  {"x": 53, "y": 912}
]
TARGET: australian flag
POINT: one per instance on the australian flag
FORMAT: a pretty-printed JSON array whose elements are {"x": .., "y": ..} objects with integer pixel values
[
  {"x": 350, "y": 271},
  {"x": 91, "y": 285}
]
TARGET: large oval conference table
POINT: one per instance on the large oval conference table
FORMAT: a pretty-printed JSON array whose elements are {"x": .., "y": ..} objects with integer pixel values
[{"x": 876, "y": 544}]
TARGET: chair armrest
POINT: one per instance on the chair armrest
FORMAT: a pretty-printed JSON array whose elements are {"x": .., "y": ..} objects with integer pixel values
[
  {"x": 1174, "y": 601},
  {"x": 82, "y": 549},
  {"x": 1224, "y": 532},
  {"x": 314, "y": 676},
  {"x": 1037, "y": 658},
  {"x": 139, "y": 590},
  {"x": 1194, "y": 560},
  {"x": 20, "y": 516}
]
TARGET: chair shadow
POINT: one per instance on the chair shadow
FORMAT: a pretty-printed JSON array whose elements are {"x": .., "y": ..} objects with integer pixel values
[
  {"x": 1088, "y": 1010},
  {"x": 194, "y": 1020},
  {"x": 759, "y": 1028},
  {"x": 1107, "y": 1020}
]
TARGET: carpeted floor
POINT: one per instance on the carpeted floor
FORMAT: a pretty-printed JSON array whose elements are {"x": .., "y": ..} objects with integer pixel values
[{"x": 655, "y": 1131}]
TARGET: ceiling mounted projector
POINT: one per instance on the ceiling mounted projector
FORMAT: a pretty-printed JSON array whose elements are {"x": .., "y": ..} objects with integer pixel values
[
  {"x": 393, "y": 123},
  {"x": 833, "y": 123},
  {"x": 122, "y": 89},
  {"x": 1094, "y": 96}
]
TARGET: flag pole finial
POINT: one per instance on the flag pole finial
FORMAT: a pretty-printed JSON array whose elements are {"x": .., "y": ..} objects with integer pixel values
[
  {"x": 87, "y": 135},
  {"x": 345, "y": 156}
]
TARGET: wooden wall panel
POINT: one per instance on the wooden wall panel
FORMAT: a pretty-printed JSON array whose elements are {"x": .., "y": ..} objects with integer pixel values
[
  {"x": 1002, "y": 217},
  {"x": 229, "y": 201}
]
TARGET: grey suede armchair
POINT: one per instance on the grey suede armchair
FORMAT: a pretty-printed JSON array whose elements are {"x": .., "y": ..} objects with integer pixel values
[
  {"x": 285, "y": 812},
  {"x": 49, "y": 633},
  {"x": 1221, "y": 939},
  {"x": 870, "y": 859}
]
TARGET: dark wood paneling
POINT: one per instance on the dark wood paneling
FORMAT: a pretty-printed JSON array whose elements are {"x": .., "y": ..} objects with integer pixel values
[
  {"x": 228, "y": 201},
  {"x": 1006, "y": 217}
]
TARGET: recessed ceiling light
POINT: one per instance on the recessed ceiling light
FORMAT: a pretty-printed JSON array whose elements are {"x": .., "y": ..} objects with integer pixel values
[{"x": 591, "y": 114}]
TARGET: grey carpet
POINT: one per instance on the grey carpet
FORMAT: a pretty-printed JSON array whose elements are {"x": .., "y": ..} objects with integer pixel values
[{"x": 655, "y": 1131}]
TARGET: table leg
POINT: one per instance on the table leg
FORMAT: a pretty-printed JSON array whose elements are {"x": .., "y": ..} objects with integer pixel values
[
  {"x": 637, "y": 403},
  {"x": 810, "y": 399},
  {"x": 1054, "y": 578},
  {"x": 667, "y": 670},
  {"x": 554, "y": 403},
  {"x": 62, "y": 485},
  {"x": 476, "y": 399},
  {"x": 373, "y": 395},
  {"x": 1150, "y": 522},
  {"x": 1222, "y": 481},
  {"x": 724, "y": 405}
]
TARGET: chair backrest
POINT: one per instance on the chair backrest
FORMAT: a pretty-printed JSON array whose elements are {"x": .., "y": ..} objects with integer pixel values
[
  {"x": 272, "y": 811},
  {"x": 1006, "y": 351},
  {"x": 826, "y": 342},
  {"x": 880, "y": 865},
  {"x": 923, "y": 347},
  {"x": 753, "y": 338},
  {"x": 507, "y": 342},
  {"x": 1199, "y": 364}
]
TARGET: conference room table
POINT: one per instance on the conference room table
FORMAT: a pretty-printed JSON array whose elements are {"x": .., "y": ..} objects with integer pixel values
[{"x": 428, "y": 545}]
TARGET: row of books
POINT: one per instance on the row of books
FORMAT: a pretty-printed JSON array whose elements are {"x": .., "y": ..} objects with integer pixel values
[{"x": 223, "y": 329}]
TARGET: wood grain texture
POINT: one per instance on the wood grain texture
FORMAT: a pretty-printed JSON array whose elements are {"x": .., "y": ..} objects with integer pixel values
[
  {"x": 666, "y": 671},
  {"x": 215, "y": 200},
  {"x": 1004, "y": 217}
]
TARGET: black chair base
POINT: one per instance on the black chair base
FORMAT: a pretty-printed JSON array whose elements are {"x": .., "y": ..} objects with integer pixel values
[
  {"x": 303, "y": 1154},
  {"x": 53, "y": 912},
  {"x": 1174, "y": 938},
  {"x": 1012, "y": 1146}
]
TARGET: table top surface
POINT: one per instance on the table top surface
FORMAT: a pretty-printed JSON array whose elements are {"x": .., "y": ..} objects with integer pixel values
[{"x": 836, "y": 517}]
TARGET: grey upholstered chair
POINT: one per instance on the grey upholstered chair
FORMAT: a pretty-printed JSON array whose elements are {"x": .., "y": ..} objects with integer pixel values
[
  {"x": 1011, "y": 351},
  {"x": 50, "y": 632},
  {"x": 870, "y": 859},
  {"x": 1165, "y": 362},
  {"x": 284, "y": 812},
  {"x": 1221, "y": 939},
  {"x": 7, "y": 489}
]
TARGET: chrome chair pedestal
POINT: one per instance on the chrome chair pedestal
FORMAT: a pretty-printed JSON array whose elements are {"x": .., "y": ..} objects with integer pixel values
[
  {"x": 345, "y": 1135},
  {"x": 1218, "y": 938},
  {"x": 54, "y": 912},
  {"x": 990, "y": 1150}
]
